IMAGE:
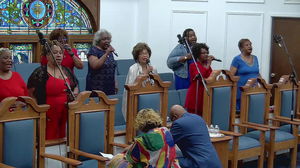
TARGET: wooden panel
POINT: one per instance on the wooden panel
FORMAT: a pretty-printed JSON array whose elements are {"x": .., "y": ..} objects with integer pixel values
[{"x": 221, "y": 146}]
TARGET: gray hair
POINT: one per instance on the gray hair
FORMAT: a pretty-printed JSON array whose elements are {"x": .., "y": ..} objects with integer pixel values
[
  {"x": 98, "y": 36},
  {"x": 4, "y": 50}
]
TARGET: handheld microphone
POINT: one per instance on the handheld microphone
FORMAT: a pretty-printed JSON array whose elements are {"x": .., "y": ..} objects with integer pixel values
[
  {"x": 148, "y": 64},
  {"x": 41, "y": 37},
  {"x": 218, "y": 60},
  {"x": 180, "y": 39},
  {"x": 115, "y": 54},
  {"x": 277, "y": 39},
  {"x": 148, "y": 61},
  {"x": 67, "y": 47}
]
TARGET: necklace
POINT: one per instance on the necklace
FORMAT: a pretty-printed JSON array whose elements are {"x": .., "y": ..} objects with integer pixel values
[{"x": 248, "y": 59}]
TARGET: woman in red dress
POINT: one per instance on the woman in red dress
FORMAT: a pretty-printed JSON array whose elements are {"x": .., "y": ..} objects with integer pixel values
[
  {"x": 203, "y": 61},
  {"x": 71, "y": 58},
  {"x": 47, "y": 86},
  {"x": 12, "y": 84}
]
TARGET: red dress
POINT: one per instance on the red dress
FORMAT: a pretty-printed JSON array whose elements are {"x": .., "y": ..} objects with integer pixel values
[
  {"x": 13, "y": 87},
  {"x": 191, "y": 93},
  {"x": 67, "y": 61},
  {"x": 57, "y": 114}
]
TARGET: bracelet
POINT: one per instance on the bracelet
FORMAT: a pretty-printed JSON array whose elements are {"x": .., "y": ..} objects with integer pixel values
[{"x": 185, "y": 58}]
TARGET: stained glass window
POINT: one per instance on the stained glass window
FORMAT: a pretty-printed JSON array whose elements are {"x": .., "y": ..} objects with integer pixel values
[
  {"x": 82, "y": 49},
  {"x": 22, "y": 53},
  {"x": 25, "y": 17}
]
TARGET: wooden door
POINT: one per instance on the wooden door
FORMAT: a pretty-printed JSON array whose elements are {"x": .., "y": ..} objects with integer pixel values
[{"x": 289, "y": 29}]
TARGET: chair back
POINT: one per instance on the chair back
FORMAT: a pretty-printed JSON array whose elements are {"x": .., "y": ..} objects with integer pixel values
[
  {"x": 146, "y": 92},
  {"x": 120, "y": 122},
  {"x": 81, "y": 73},
  {"x": 283, "y": 97},
  {"x": 219, "y": 102},
  {"x": 255, "y": 101},
  {"x": 182, "y": 96},
  {"x": 173, "y": 98},
  {"x": 168, "y": 76},
  {"x": 25, "y": 69},
  {"x": 121, "y": 79},
  {"x": 22, "y": 132},
  {"x": 123, "y": 66},
  {"x": 91, "y": 123}
]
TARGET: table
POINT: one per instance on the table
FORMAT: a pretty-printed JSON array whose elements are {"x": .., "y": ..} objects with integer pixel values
[{"x": 221, "y": 146}]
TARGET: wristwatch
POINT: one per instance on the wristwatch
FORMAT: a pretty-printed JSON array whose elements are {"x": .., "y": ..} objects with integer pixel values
[{"x": 185, "y": 57}]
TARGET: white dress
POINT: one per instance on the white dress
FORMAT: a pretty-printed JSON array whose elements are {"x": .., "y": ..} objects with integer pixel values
[{"x": 134, "y": 71}]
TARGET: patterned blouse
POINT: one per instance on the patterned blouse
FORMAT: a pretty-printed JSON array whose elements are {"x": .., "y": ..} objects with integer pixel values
[
  {"x": 103, "y": 78},
  {"x": 154, "y": 149}
]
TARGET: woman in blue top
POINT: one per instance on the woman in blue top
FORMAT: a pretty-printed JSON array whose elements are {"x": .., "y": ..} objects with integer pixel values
[
  {"x": 179, "y": 60},
  {"x": 244, "y": 65},
  {"x": 101, "y": 64}
]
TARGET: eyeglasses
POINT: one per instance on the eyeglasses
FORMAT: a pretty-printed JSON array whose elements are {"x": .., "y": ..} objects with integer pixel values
[{"x": 63, "y": 39}]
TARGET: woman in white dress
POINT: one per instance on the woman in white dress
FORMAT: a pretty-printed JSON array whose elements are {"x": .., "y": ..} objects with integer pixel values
[{"x": 141, "y": 54}]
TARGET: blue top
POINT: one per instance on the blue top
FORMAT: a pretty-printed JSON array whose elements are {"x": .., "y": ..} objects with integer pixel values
[
  {"x": 103, "y": 78},
  {"x": 245, "y": 72},
  {"x": 181, "y": 69},
  {"x": 191, "y": 136}
]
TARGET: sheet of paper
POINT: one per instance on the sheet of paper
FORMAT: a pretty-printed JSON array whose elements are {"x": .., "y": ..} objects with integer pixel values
[{"x": 109, "y": 156}]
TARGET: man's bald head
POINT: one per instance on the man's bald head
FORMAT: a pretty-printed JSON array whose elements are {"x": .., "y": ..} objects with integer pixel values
[{"x": 176, "y": 112}]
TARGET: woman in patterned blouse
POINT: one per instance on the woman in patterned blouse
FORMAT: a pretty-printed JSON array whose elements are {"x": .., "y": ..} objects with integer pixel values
[{"x": 153, "y": 148}]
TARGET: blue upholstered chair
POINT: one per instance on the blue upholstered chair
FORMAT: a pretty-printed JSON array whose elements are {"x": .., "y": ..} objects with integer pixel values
[
  {"x": 168, "y": 76},
  {"x": 146, "y": 92},
  {"x": 123, "y": 66},
  {"x": 182, "y": 96},
  {"x": 81, "y": 73},
  {"x": 173, "y": 98},
  {"x": 25, "y": 69},
  {"x": 120, "y": 123},
  {"x": 121, "y": 79},
  {"x": 255, "y": 111},
  {"x": 219, "y": 109},
  {"x": 22, "y": 134},
  {"x": 283, "y": 102},
  {"x": 91, "y": 128}
]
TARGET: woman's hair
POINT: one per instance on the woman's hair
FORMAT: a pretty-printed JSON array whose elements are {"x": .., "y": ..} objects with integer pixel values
[
  {"x": 186, "y": 32},
  {"x": 4, "y": 50},
  {"x": 57, "y": 33},
  {"x": 98, "y": 36},
  {"x": 196, "y": 49},
  {"x": 147, "y": 119},
  {"x": 242, "y": 42},
  {"x": 45, "y": 49},
  {"x": 139, "y": 47}
]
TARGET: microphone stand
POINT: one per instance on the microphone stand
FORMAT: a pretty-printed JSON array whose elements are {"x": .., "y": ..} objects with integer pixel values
[
  {"x": 293, "y": 76},
  {"x": 199, "y": 75}
]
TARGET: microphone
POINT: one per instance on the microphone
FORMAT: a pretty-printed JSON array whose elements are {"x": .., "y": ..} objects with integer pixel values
[
  {"x": 115, "y": 54},
  {"x": 41, "y": 37},
  {"x": 180, "y": 39},
  {"x": 277, "y": 39},
  {"x": 67, "y": 47},
  {"x": 148, "y": 64},
  {"x": 218, "y": 60}
]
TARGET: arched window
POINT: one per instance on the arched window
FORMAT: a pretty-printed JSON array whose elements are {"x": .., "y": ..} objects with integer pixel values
[{"x": 19, "y": 20}]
